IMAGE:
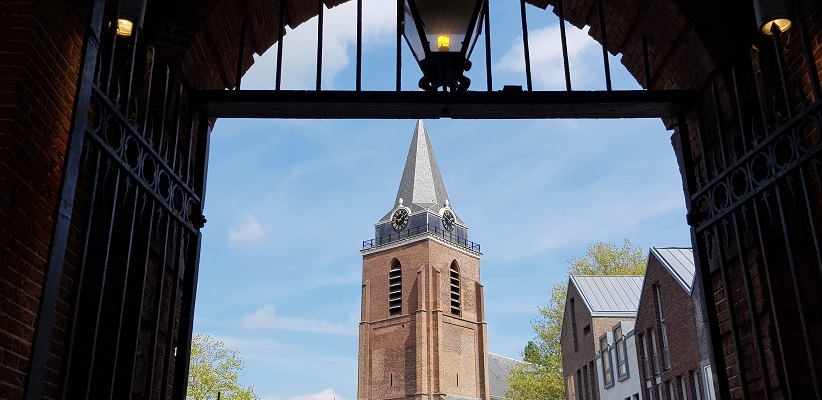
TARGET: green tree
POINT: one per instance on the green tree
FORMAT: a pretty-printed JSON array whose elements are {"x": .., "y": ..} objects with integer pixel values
[
  {"x": 541, "y": 377},
  {"x": 214, "y": 368}
]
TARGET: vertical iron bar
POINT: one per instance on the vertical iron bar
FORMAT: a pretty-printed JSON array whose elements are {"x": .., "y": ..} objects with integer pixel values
[
  {"x": 488, "y": 73},
  {"x": 126, "y": 268},
  {"x": 103, "y": 285},
  {"x": 783, "y": 74},
  {"x": 400, "y": 13},
  {"x": 809, "y": 210},
  {"x": 525, "y": 44},
  {"x": 70, "y": 340},
  {"x": 113, "y": 48},
  {"x": 177, "y": 111},
  {"x": 602, "y": 32},
  {"x": 146, "y": 256},
  {"x": 162, "y": 135},
  {"x": 131, "y": 66},
  {"x": 241, "y": 55},
  {"x": 150, "y": 55},
  {"x": 44, "y": 326},
  {"x": 729, "y": 300},
  {"x": 739, "y": 110},
  {"x": 564, "y": 41},
  {"x": 172, "y": 310},
  {"x": 191, "y": 135},
  {"x": 280, "y": 47},
  {"x": 646, "y": 60},
  {"x": 795, "y": 279},
  {"x": 749, "y": 292},
  {"x": 319, "y": 44},
  {"x": 359, "y": 45},
  {"x": 719, "y": 131},
  {"x": 810, "y": 61},
  {"x": 158, "y": 308},
  {"x": 690, "y": 184},
  {"x": 761, "y": 103},
  {"x": 767, "y": 270}
]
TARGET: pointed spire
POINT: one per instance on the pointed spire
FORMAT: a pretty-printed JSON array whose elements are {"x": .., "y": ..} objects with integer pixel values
[{"x": 421, "y": 187}]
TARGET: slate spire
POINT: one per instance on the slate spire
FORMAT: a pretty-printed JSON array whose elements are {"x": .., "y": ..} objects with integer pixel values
[{"x": 421, "y": 187}]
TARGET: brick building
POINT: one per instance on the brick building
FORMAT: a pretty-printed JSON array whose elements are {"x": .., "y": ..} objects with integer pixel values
[
  {"x": 674, "y": 342},
  {"x": 598, "y": 349},
  {"x": 748, "y": 146},
  {"x": 422, "y": 333}
]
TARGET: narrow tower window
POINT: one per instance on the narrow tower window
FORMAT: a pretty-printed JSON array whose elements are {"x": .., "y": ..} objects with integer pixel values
[
  {"x": 455, "y": 288},
  {"x": 395, "y": 288}
]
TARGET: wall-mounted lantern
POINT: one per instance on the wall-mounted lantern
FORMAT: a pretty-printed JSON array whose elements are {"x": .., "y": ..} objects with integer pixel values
[
  {"x": 130, "y": 14},
  {"x": 772, "y": 14},
  {"x": 442, "y": 35}
]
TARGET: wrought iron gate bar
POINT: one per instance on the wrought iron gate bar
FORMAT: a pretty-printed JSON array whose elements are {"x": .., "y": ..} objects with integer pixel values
[
  {"x": 526, "y": 48},
  {"x": 464, "y": 105},
  {"x": 745, "y": 164},
  {"x": 190, "y": 225}
]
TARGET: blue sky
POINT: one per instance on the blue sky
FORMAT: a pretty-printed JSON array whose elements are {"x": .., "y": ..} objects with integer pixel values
[{"x": 289, "y": 202}]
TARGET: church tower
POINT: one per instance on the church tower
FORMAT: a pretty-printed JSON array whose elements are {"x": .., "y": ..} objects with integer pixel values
[{"x": 422, "y": 329}]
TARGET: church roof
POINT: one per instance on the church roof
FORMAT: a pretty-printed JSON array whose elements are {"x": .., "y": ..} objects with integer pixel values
[
  {"x": 609, "y": 296},
  {"x": 421, "y": 186}
]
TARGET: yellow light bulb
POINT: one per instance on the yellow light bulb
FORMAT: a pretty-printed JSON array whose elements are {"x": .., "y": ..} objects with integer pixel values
[
  {"x": 444, "y": 43},
  {"x": 124, "y": 27}
]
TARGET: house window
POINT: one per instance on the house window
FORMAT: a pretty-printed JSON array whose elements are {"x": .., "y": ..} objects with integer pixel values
[
  {"x": 605, "y": 355},
  {"x": 695, "y": 380},
  {"x": 571, "y": 389},
  {"x": 666, "y": 358},
  {"x": 395, "y": 288},
  {"x": 683, "y": 387},
  {"x": 455, "y": 288},
  {"x": 645, "y": 363},
  {"x": 621, "y": 352},
  {"x": 708, "y": 383},
  {"x": 671, "y": 390},
  {"x": 655, "y": 354},
  {"x": 574, "y": 325}
]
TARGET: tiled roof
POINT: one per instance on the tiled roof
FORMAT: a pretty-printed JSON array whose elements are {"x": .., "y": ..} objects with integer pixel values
[
  {"x": 499, "y": 369},
  {"x": 609, "y": 296},
  {"x": 421, "y": 186},
  {"x": 679, "y": 261}
]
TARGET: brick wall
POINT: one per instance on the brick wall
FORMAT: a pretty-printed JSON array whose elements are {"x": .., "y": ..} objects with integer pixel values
[
  {"x": 686, "y": 341},
  {"x": 426, "y": 351},
  {"x": 40, "y": 50}
]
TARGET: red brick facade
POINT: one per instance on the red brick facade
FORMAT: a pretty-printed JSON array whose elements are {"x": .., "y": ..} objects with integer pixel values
[
  {"x": 425, "y": 351},
  {"x": 688, "y": 338}
]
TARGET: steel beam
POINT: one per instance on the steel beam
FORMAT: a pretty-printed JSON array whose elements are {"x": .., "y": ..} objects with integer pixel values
[{"x": 506, "y": 104}]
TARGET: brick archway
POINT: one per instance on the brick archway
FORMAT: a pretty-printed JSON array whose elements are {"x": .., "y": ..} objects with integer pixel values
[{"x": 748, "y": 150}]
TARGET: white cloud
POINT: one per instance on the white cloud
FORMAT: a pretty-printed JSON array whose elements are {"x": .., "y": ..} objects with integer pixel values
[
  {"x": 266, "y": 318},
  {"x": 547, "y": 70},
  {"x": 339, "y": 35},
  {"x": 248, "y": 231},
  {"x": 327, "y": 394}
]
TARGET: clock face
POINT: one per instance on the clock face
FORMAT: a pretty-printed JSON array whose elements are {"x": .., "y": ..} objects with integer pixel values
[
  {"x": 448, "y": 220},
  {"x": 399, "y": 220}
]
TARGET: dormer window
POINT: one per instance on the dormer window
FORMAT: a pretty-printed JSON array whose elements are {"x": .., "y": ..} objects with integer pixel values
[
  {"x": 455, "y": 288},
  {"x": 395, "y": 288}
]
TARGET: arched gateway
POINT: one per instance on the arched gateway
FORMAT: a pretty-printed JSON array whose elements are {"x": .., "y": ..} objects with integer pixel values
[{"x": 104, "y": 142}]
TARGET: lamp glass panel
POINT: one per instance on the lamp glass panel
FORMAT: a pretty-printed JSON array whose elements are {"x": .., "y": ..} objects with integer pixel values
[
  {"x": 412, "y": 37},
  {"x": 446, "y": 18}
]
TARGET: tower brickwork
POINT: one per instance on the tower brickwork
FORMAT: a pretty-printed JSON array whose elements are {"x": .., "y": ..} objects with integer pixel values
[{"x": 422, "y": 329}]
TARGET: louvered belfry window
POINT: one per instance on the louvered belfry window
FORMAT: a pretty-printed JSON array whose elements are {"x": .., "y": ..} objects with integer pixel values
[
  {"x": 395, "y": 288},
  {"x": 455, "y": 289}
]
